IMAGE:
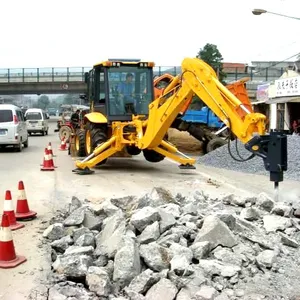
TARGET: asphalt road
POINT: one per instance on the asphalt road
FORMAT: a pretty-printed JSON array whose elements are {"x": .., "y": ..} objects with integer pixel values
[{"x": 49, "y": 191}]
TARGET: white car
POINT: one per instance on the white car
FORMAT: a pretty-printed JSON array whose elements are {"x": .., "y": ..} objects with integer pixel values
[
  {"x": 37, "y": 121},
  {"x": 13, "y": 130}
]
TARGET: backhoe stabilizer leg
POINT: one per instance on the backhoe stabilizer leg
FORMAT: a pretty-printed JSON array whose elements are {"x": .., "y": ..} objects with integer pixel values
[
  {"x": 97, "y": 158},
  {"x": 185, "y": 163},
  {"x": 98, "y": 155},
  {"x": 273, "y": 150}
]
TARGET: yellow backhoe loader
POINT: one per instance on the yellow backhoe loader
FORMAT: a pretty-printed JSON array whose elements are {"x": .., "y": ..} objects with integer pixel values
[{"x": 125, "y": 115}]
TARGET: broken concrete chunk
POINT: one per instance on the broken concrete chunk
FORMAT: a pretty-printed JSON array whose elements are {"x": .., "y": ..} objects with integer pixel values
[
  {"x": 228, "y": 256},
  {"x": 172, "y": 209},
  {"x": 144, "y": 217},
  {"x": 88, "y": 250},
  {"x": 282, "y": 209},
  {"x": 158, "y": 196},
  {"x": 180, "y": 264},
  {"x": 190, "y": 209},
  {"x": 205, "y": 293},
  {"x": 87, "y": 239},
  {"x": 235, "y": 200},
  {"x": 273, "y": 223},
  {"x": 216, "y": 232},
  {"x": 98, "y": 281},
  {"x": 79, "y": 232},
  {"x": 265, "y": 202},
  {"x": 91, "y": 220},
  {"x": 250, "y": 214},
  {"x": 266, "y": 258},
  {"x": 227, "y": 218},
  {"x": 105, "y": 208},
  {"x": 125, "y": 203},
  {"x": 163, "y": 290},
  {"x": 150, "y": 234},
  {"x": 109, "y": 239},
  {"x": 288, "y": 241},
  {"x": 144, "y": 281},
  {"x": 156, "y": 257},
  {"x": 166, "y": 241},
  {"x": 215, "y": 267},
  {"x": 54, "y": 232},
  {"x": 76, "y": 217},
  {"x": 127, "y": 263},
  {"x": 187, "y": 292},
  {"x": 72, "y": 265},
  {"x": 176, "y": 249},
  {"x": 200, "y": 249},
  {"x": 68, "y": 290},
  {"x": 167, "y": 220},
  {"x": 62, "y": 244},
  {"x": 75, "y": 203}
]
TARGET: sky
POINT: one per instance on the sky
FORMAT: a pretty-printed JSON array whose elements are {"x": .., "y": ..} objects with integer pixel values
[{"x": 72, "y": 33}]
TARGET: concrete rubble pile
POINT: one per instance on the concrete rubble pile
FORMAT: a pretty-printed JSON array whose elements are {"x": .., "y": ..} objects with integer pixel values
[
  {"x": 220, "y": 158},
  {"x": 164, "y": 247}
]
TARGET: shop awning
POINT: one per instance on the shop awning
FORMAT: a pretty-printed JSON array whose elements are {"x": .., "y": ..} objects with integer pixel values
[{"x": 283, "y": 100}]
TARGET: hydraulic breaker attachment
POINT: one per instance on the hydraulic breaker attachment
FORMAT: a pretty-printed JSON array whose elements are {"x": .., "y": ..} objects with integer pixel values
[{"x": 272, "y": 149}]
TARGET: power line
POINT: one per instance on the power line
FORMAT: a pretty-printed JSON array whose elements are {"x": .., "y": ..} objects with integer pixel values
[{"x": 278, "y": 62}]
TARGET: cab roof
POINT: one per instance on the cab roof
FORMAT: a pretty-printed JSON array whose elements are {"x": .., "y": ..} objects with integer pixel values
[{"x": 124, "y": 61}]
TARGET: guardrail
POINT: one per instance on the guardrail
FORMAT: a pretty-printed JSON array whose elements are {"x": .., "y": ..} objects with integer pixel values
[{"x": 75, "y": 74}]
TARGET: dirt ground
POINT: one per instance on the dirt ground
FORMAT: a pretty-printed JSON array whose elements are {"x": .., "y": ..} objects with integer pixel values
[{"x": 184, "y": 141}]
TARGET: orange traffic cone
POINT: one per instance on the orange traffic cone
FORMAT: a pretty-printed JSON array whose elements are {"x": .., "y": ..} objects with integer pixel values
[
  {"x": 50, "y": 149},
  {"x": 9, "y": 211},
  {"x": 50, "y": 157},
  {"x": 22, "y": 210},
  {"x": 8, "y": 257},
  {"x": 63, "y": 145},
  {"x": 47, "y": 166}
]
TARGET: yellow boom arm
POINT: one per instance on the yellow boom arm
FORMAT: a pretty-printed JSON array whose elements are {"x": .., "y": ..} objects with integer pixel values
[{"x": 199, "y": 78}]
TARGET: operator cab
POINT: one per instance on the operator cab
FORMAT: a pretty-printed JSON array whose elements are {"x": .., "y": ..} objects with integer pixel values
[{"x": 120, "y": 88}]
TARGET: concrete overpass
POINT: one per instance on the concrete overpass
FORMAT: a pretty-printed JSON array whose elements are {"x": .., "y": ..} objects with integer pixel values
[{"x": 71, "y": 80}]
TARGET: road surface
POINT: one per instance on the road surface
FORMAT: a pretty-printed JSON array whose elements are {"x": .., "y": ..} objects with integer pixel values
[{"x": 49, "y": 191}]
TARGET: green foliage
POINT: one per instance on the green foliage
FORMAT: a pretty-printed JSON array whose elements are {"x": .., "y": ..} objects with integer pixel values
[
  {"x": 71, "y": 99},
  {"x": 43, "y": 102},
  {"x": 212, "y": 56}
]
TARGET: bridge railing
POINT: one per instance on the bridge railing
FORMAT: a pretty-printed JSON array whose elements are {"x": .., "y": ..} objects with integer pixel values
[{"x": 76, "y": 74}]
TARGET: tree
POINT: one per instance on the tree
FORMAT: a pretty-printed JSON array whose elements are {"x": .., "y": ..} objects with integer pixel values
[
  {"x": 43, "y": 102},
  {"x": 212, "y": 56}
]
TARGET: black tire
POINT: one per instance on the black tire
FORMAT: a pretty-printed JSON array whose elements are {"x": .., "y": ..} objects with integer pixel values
[
  {"x": 214, "y": 144},
  {"x": 132, "y": 150},
  {"x": 98, "y": 135},
  {"x": 80, "y": 143},
  {"x": 26, "y": 143},
  {"x": 152, "y": 156}
]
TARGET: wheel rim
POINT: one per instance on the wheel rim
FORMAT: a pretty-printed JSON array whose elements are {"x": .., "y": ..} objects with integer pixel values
[
  {"x": 88, "y": 141},
  {"x": 77, "y": 143}
]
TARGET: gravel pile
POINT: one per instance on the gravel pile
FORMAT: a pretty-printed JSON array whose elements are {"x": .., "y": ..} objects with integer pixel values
[
  {"x": 220, "y": 158},
  {"x": 165, "y": 247}
]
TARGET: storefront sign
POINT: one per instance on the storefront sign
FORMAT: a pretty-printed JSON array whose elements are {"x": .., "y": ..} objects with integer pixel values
[
  {"x": 262, "y": 92},
  {"x": 287, "y": 87}
]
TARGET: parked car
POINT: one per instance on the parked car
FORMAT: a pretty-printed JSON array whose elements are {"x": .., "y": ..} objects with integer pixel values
[
  {"x": 52, "y": 111},
  {"x": 13, "y": 128},
  {"x": 37, "y": 121}
]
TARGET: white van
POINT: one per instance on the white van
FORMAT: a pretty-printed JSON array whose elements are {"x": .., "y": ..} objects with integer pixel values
[
  {"x": 37, "y": 121},
  {"x": 13, "y": 130}
]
